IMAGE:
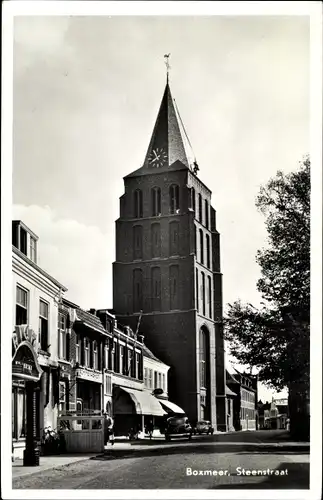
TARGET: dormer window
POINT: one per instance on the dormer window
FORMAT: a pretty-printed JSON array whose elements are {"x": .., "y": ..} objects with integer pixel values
[{"x": 24, "y": 239}]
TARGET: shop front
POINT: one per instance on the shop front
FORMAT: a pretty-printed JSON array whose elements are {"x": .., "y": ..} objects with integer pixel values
[{"x": 26, "y": 375}]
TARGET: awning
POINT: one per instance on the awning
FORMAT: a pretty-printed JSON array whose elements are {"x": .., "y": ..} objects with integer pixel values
[
  {"x": 145, "y": 403},
  {"x": 171, "y": 406},
  {"x": 228, "y": 392}
]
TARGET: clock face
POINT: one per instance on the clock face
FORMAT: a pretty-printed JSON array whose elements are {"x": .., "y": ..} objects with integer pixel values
[{"x": 157, "y": 157}]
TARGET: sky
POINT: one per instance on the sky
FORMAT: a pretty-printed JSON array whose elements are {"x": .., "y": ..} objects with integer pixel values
[{"x": 86, "y": 92}]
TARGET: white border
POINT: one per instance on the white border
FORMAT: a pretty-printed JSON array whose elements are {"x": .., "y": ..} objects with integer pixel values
[{"x": 313, "y": 9}]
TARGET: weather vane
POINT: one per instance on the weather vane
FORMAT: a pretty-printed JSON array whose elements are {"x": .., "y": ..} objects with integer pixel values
[{"x": 166, "y": 57}]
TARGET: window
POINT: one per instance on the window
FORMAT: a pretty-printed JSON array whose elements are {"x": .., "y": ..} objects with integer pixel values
[
  {"x": 121, "y": 359},
  {"x": 78, "y": 348},
  {"x": 130, "y": 363},
  {"x": 201, "y": 247},
  {"x": 137, "y": 242},
  {"x": 193, "y": 199},
  {"x": 43, "y": 325},
  {"x": 200, "y": 209},
  {"x": 137, "y": 290},
  {"x": 208, "y": 253},
  {"x": 137, "y": 368},
  {"x": 174, "y": 198},
  {"x": 145, "y": 377},
  {"x": 95, "y": 355},
  {"x": 106, "y": 356},
  {"x": 62, "y": 395},
  {"x": 23, "y": 241},
  {"x": 203, "y": 350},
  {"x": 159, "y": 380},
  {"x": 163, "y": 382},
  {"x": 203, "y": 293},
  {"x": 156, "y": 288},
  {"x": 21, "y": 306},
  {"x": 18, "y": 408},
  {"x": 206, "y": 205},
  {"x": 32, "y": 248},
  {"x": 209, "y": 288},
  {"x": 197, "y": 289},
  {"x": 62, "y": 337},
  {"x": 150, "y": 379},
  {"x": 173, "y": 283},
  {"x": 155, "y": 380},
  {"x": 174, "y": 238},
  {"x": 138, "y": 206},
  {"x": 156, "y": 201},
  {"x": 155, "y": 240},
  {"x": 107, "y": 384},
  {"x": 86, "y": 352}
]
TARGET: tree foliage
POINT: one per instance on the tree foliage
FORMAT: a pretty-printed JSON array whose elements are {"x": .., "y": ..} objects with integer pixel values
[{"x": 275, "y": 338}]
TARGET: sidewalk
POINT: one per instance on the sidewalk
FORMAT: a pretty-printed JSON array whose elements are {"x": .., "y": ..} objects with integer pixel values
[{"x": 46, "y": 463}]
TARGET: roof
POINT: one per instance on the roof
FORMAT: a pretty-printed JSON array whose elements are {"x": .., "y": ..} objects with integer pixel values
[
  {"x": 147, "y": 352},
  {"x": 169, "y": 148},
  {"x": 90, "y": 320}
]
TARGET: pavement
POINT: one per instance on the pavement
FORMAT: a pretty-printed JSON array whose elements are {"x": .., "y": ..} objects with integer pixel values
[{"x": 267, "y": 442}]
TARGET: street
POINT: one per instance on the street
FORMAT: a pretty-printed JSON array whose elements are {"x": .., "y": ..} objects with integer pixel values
[{"x": 240, "y": 460}]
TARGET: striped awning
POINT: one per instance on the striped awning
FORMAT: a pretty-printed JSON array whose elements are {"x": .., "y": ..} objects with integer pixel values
[
  {"x": 170, "y": 407},
  {"x": 145, "y": 403}
]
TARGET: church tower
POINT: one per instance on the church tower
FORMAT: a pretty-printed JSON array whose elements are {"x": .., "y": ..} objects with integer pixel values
[{"x": 167, "y": 268}]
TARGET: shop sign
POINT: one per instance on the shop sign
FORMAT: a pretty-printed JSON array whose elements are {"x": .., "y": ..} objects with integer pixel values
[{"x": 24, "y": 363}]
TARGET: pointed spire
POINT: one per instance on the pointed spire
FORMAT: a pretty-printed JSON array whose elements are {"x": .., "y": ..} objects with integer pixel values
[{"x": 169, "y": 147}]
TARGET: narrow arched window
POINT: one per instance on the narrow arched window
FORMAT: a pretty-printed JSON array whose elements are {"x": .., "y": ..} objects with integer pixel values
[
  {"x": 156, "y": 201},
  {"x": 174, "y": 238},
  {"x": 209, "y": 290},
  {"x": 203, "y": 358},
  {"x": 137, "y": 290},
  {"x": 138, "y": 205},
  {"x": 208, "y": 252},
  {"x": 137, "y": 242},
  {"x": 155, "y": 288},
  {"x": 155, "y": 240},
  {"x": 206, "y": 205},
  {"x": 203, "y": 293},
  {"x": 173, "y": 284},
  {"x": 193, "y": 199},
  {"x": 200, "y": 209},
  {"x": 197, "y": 289},
  {"x": 201, "y": 247},
  {"x": 174, "y": 198}
]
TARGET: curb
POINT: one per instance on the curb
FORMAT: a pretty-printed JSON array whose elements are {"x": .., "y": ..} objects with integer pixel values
[{"x": 40, "y": 469}]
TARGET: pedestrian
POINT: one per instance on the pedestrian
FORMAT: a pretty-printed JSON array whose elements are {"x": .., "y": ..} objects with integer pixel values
[
  {"x": 108, "y": 429},
  {"x": 150, "y": 429}
]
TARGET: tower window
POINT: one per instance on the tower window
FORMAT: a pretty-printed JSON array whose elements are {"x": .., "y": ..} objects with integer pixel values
[
  {"x": 137, "y": 290},
  {"x": 174, "y": 198},
  {"x": 137, "y": 242},
  {"x": 174, "y": 238},
  {"x": 197, "y": 289},
  {"x": 209, "y": 286},
  {"x": 193, "y": 199},
  {"x": 173, "y": 283},
  {"x": 200, "y": 209},
  {"x": 208, "y": 253},
  {"x": 155, "y": 240},
  {"x": 206, "y": 213},
  {"x": 201, "y": 247},
  {"x": 155, "y": 288},
  {"x": 156, "y": 201},
  {"x": 203, "y": 293},
  {"x": 138, "y": 206}
]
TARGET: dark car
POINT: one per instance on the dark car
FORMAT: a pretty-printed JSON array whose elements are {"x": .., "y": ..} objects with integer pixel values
[
  {"x": 203, "y": 427},
  {"x": 178, "y": 427}
]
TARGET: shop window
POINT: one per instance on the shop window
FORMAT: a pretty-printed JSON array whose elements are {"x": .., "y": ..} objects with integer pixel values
[
  {"x": 155, "y": 240},
  {"x": 156, "y": 201},
  {"x": 86, "y": 352},
  {"x": 137, "y": 242},
  {"x": 174, "y": 198},
  {"x": 21, "y": 306},
  {"x": 18, "y": 405},
  {"x": 174, "y": 238},
  {"x": 43, "y": 325},
  {"x": 138, "y": 205}
]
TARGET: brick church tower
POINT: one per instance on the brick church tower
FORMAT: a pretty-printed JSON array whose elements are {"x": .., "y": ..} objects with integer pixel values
[{"x": 167, "y": 268}]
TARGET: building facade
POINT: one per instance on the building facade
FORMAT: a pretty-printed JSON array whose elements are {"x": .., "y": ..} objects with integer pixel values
[
  {"x": 35, "y": 369},
  {"x": 167, "y": 268},
  {"x": 245, "y": 402}
]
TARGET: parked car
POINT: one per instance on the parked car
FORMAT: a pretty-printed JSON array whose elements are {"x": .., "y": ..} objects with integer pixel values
[
  {"x": 204, "y": 427},
  {"x": 178, "y": 427}
]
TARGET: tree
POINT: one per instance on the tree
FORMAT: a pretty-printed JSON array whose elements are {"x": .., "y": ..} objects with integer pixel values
[{"x": 275, "y": 338}]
